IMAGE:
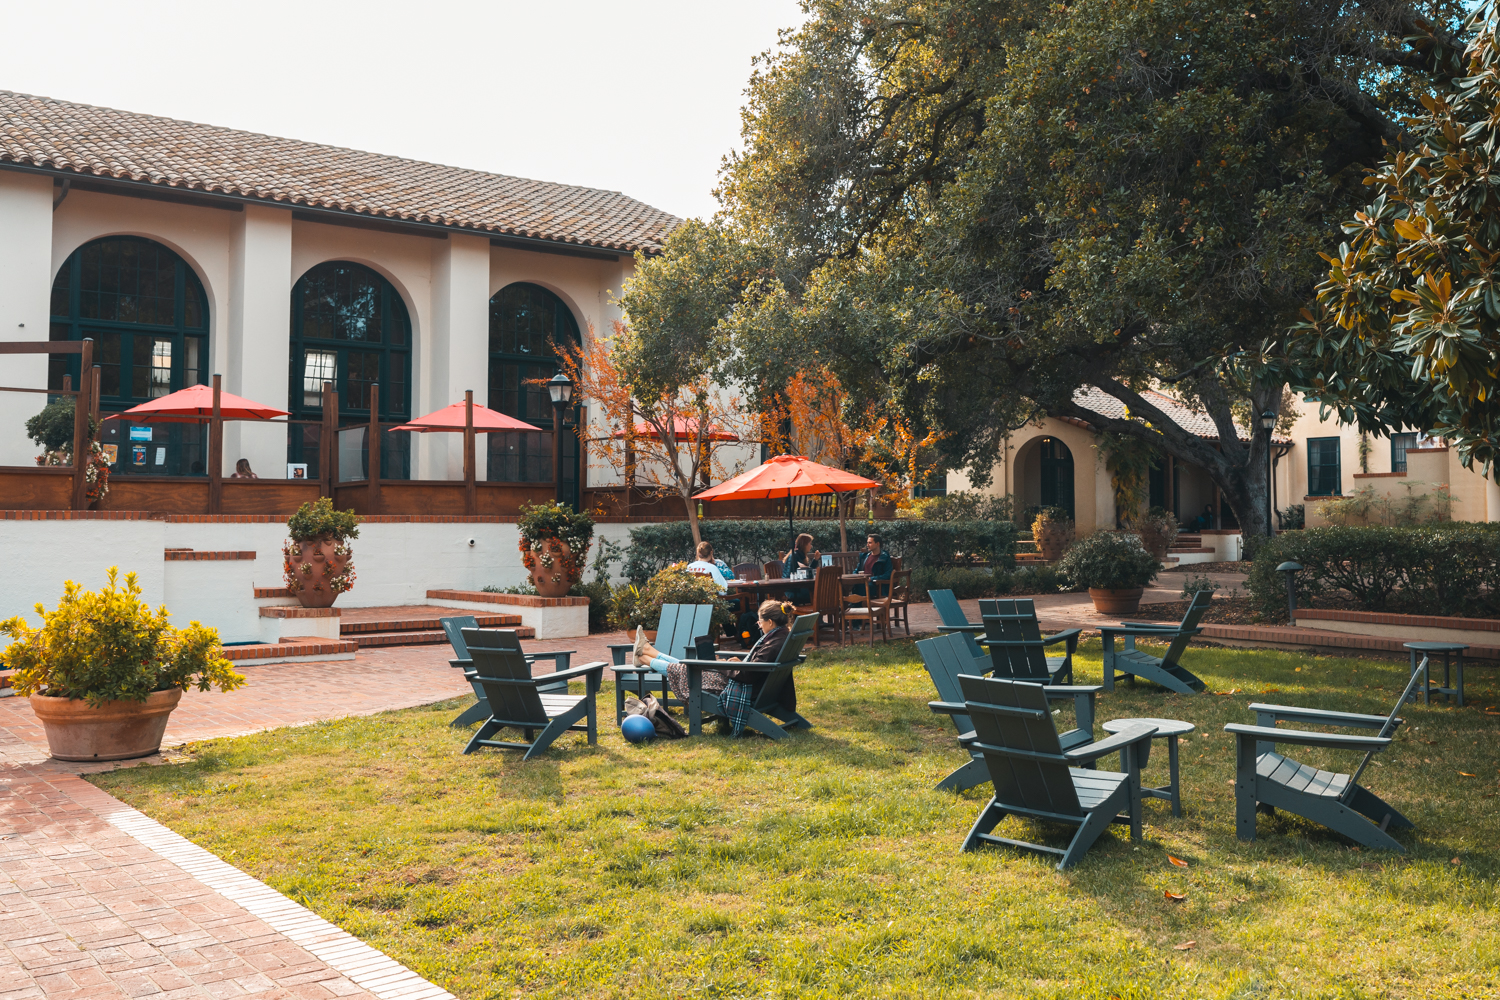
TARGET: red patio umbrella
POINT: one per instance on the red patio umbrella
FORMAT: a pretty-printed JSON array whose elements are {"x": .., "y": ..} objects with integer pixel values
[
  {"x": 684, "y": 429},
  {"x": 194, "y": 405},
  {"x": 452, "y": 418},
  {"x": 788, "y": 476}
]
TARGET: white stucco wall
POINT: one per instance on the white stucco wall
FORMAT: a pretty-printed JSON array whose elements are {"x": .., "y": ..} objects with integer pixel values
[
  {"x": 255, "y": 363},
  {"x": 25, "y": 289}
]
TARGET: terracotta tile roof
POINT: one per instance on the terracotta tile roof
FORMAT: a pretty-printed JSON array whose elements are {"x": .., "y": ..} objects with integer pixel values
[
  {"x": 103, "y": 142},
  {"x": 1190, "y": 420}
]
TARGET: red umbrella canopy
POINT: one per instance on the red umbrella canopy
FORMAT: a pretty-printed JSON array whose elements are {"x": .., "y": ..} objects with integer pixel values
[
  {"x": 684, "y": 429},
  {"x": 451, "y": 418},
  {"x": 787, "y": 476},
  {"x": 195, "y": 404}
]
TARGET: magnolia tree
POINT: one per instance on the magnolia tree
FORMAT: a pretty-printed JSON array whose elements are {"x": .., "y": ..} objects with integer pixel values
[{"x": 669, "y": 437}]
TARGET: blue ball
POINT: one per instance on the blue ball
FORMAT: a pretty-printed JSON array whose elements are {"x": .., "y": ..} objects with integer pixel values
[{"x": 637, "y": 729}]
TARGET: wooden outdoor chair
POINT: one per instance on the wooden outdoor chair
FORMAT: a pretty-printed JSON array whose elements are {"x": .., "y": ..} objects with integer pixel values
[
  {"x": 1013, "y": 633},
  {"x": 948, "y": 656},
  {"x": 747, "y": 571},
  {"x": 871, "y": 610},
  {"x": 677, "y": 633},
  {"x": 453, "y": 628},
  {"x": 776, "y": 692},
  {"x": 1033, "y": 772},
  {"x": 1164, "y": 670},
  {"x": 827, "y": 604},
  {"x": 1265, "y": 780},
  {"x": 516, "y": 700},
  {"x": 772, "y": 571},
  {"x": 846, "y": 561},
  {"x": 899, "y": 601}
]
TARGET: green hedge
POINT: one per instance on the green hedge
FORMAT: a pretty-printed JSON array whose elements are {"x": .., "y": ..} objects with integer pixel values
[
  {"x": 1449, "y": 569},
  {"x": 919, "y": 544}
]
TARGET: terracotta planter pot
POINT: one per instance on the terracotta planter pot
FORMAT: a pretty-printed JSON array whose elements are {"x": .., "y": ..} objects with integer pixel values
[
  {"x": 1052, "y": 539},
  {"x": 116, "y": 730},
  {"x": 1116, "y": 602},
  {"x": 318, "y": 570},
  {"x": 1157, "y": 540},
  {"x": 547, "y": 574}
]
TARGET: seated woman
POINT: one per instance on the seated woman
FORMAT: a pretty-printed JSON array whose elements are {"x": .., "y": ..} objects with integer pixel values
[
  {"x": 736, "y": 693},
  {"x": 802, "y": 556},
  {"x": 242, "y": 470}
]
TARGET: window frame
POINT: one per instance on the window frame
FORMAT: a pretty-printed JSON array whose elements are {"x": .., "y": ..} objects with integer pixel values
[
  {"x": 1409, "y": 439},
  {"x": 1337, "y": 465}
]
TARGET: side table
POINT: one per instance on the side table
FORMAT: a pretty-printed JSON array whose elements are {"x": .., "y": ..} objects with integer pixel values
[
  {"x": 1445, "y": 650},
  {"x": 1170, "y": 729}
]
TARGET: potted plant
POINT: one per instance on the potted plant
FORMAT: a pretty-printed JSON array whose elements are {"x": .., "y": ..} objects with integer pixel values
[
  {"x": 104, "y": 671},
  {"x": 554, "y": 546},
  {"x": 52, "y": 429},
  {"x": 1114, "y": 566},
  {"x": 1158, "y": 531},
  {"x": 641, "y": 608},
  {"x": 1052, "y": 531},
  {"x": 317, "y": 557}
]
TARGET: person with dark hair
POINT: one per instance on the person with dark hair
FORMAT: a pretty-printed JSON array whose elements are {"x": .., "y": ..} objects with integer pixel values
[
  {"x": 802, "y": 557},
  {"x": 876, "y": 561},
  {"x": 242, "y": 470},
  {"x": 707, "y": 565},
  {"x": 737, "y": 690}
]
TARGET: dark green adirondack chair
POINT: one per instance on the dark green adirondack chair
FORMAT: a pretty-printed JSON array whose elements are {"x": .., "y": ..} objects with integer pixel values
[
  {"x": 677, "y": 632},
  {"x": 453, "y": 628},
  {"x": 1266, "y": 780},
  {"x": 515, "y": 698},
  {"x": 946, "y": 657},
  {"x": 1164, "y": 670},
  {"x": 1013, "y": 634},
  {"x": 952, "y": 619},
  {"x": 1033, "y": 773},
  {"x": 777, "y": 690}
]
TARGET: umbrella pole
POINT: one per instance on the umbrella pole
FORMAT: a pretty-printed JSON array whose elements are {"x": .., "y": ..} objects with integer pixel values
[
  {"x": 791, "y": 532},
  {"x": 216, "y": 452}
]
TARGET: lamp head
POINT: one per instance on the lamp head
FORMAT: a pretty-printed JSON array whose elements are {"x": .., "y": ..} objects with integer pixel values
[
  {"x": 1267, "y": 421},
  {"x": 1288, "y": 567},
  {"x": 561, "y": 389}
]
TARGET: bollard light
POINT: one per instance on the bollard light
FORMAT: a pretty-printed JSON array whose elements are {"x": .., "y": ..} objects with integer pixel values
[{"x": 1290, "y": 569}]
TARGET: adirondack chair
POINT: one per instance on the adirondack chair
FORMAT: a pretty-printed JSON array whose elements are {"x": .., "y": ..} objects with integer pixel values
[
  {"x": 453, "y": 628},
  {"x": 1265, "y": 780},
  {"x": 948, "y": 656},
  {"x": 516, "y": 700},
  {"x": 952, "y": 619},
  {"x": 767, "y": 708},
  {"x": 1011, "y": 627},
  {"x": 1163, "y": 670},
  {"x": 677, "y": 632},
  {"x": 1032, "y": 770}
]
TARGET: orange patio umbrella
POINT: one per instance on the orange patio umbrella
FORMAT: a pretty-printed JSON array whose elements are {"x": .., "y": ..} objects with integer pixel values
[
  {"x": 684, "y": 429},
  {"x": 788, "y": 476},
  {"x": 194, "y": 405},
  {"x": 452, "y": 418}
]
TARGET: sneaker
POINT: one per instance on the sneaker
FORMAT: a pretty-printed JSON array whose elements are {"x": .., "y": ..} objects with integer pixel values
[{"x": 640, "y": 659}]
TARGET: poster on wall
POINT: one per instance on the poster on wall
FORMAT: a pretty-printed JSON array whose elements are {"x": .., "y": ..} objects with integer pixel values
[
  {"x": 161, "y": 456},
  {"x": 140, "y": 434},
  {"x": 137, "y": 454},
  {"x": 296, "y": 470},
  {"x": 111, "y": 453}
]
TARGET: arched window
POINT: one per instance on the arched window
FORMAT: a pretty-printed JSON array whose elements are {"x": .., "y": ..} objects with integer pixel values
[
  {"x": 349, "y": 327},
  {"x": 1056, "y": 475},
  {"x": 146, "y": 312},
  {"x": 526, "y": 322}
]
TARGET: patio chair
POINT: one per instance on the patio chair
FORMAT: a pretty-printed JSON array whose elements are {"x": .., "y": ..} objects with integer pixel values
[
  {"x": 1163, "y": 670},
  {"x": 899, "y": 601},
  {"x": 517, "y": 701},
  {"x": 952, "y": 619},
  {"x": 746, "y": 571},
  {"x": 677, "y": 631},
  {"x": 772, "y": 571},
  {"x": 1033, "y": 773},
  {"x": 778, "y": 694},
  {"x": 1265, "y": 780},
  {"x": 827, "y": 604},
  {"x": 1012, "y": 626},
  {"x": 870, "y": 610},
  {"x": 946, "y": 657},
  {"x": 453, "y": 628}
]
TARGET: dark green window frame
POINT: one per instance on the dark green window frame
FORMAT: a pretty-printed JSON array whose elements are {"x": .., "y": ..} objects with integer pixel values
[
  {"x": 1324, "y": 472},
  {"x": 1399, "y": 444}
]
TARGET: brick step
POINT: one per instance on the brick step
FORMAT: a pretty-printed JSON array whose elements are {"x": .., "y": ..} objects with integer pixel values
[
  {"x": 422, "y": 623},
  {"x": 366, "y": 640},
  {"x": 290, "y": 647},
  {"x": 1179, "y": 549},
  {"x": 1188, "y": 538}
]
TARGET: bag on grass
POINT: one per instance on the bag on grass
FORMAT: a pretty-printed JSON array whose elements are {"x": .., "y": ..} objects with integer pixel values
[{"x": 666, "y": 726}]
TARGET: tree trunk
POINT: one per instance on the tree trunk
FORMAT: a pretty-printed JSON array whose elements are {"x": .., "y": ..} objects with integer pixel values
[
  {"x": 692, "y": 513},
  {"x": 843, "y": 530}
]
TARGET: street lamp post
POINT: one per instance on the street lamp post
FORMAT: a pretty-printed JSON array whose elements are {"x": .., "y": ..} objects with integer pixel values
[
  {"x": 561, "y": 390},
  {"x": 1268, "y": 424}
]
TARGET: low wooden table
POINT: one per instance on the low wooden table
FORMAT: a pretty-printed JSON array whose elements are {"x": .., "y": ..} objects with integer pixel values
[
  {"x": 1452, "y": 687},
  {"x": 1168, "y": 729}
]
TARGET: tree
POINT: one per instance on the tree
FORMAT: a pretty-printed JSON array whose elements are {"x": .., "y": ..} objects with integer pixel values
[
  {"x": 670, "y": 434},
  {"x": 969, "y": 210},
  {"x": 1407, "y": 325}
]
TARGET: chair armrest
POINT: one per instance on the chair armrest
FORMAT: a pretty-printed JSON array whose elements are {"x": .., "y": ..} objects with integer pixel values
[
  {"x": 1319, "y": 717},
  {"x": 736, "y": 654},
  {"x": 693, "y": 665},
  {"x": 949, "y": 707},
  {"x": 1166, "y": 625},
  {"x": 552, "y": 655},
  {"x": 461, "y": 664},
  {"x": 961, "y": 628},
  {"x": 1116, "y": 743},
  {"x": 1069, "y": 690},
  {"x": 1298, "y": 737},
  {"x": 620, "y": 652},
  {"x": 597, "y": 667},
  {"x": 1071, "y": 635},
  {"x": 1109, "y": 631}
]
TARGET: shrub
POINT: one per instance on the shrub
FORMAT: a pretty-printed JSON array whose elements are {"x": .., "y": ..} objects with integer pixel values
[
  {"x": 1033, "y": 579},
  {"x": 964, "y": 583},
  {"x": 317, "y": 518},
  {"x": 1194, "y": 583},
  {"x": 965, "y": 506},
  {"x": 1366, "y": 506},
  {"x": 1109, "y": 560},
  {"x": 641, "y": 606},
  {"x": 1449, "y": 569},
  {"x": 918, "y": 543},
  {"x": 53, "y": 427},
  {"x": 1292, "y": 518},
  {"x": 108, "y": 645}
]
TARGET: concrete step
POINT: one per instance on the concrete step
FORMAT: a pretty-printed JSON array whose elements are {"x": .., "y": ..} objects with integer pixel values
[
  {"x": 420, "y": 623},
  {"x": 292, "y": 649},
  {"x": 366, "y": 640}
]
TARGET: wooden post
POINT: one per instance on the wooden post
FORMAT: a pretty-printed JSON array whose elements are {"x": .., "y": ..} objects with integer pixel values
[
  {"x": 328, "y": 446},
  {"x": 471, "y": 497},
  {"x": 372, "y": 444},
  {"x": 82, "y": 449},
  {"x": 216, "y": 452},
  {"x": 98, "y": 374}
]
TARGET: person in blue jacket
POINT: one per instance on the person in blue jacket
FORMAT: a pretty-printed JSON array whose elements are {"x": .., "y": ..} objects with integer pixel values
[{"x": 876, "y": 562}]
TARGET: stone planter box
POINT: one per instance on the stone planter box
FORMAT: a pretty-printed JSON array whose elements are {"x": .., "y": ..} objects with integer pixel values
[{"x": 1407, "y": 628}]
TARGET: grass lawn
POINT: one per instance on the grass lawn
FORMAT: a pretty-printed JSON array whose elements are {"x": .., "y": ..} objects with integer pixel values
[{"x": 826, "y": 866}]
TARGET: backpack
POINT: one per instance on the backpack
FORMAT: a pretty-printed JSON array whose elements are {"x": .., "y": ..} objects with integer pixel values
[{"x": 666, "y": 726}]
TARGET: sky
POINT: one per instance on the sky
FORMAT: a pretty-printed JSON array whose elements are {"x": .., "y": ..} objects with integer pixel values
[{"x": 639, "y": 96}]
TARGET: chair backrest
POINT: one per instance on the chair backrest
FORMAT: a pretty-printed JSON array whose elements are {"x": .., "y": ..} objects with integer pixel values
[
  {"x": 500, "y": 668},
  {"x": 1195, "y": 612},
  {"x": 1015, "y": 640},
  {"x": 945, "y": 657},
  {"x": 679, "y": 626},
  {"x": 828, "y": 591},
  {"x": 1391, "y": 722},
  {"x": 900, "y": 588},
  {"x": 772, "y": 571},
  {"x": 746, "y": 571},
  {"x": 453, "y": 629},
  {"x": 1013, "y": 715},
  {"x": 802, "y": 629},
  {"x": 946, "y": 605},
  {"x": 845, "y": 561}
]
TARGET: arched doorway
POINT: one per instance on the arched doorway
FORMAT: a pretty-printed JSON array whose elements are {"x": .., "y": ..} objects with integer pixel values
[
  {"x": 349, "y": 327},
  {"x": 526, "y": 323},
  {"x": 1055, "y": 474},
  {"x": 146, "y": 312}
]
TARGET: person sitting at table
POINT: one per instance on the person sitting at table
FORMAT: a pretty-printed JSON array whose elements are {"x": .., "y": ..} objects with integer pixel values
[
  {"x": 242, "y": 470},
  {"x": 802, "y": 557},
  {"x": 704, "y": 565},
  {"x": 737, "y": 690},
  {"x": 876, "y": 562}
]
